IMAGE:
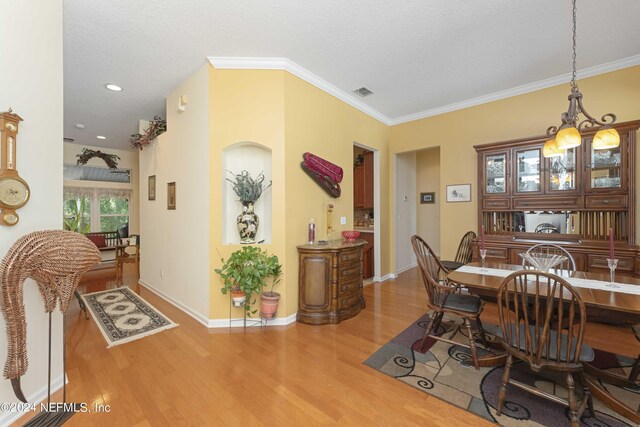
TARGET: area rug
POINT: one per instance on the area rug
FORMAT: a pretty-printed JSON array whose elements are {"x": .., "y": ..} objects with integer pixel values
[
  {"x": 446, "y": 371},
  {"x": 123, "y": 316}
]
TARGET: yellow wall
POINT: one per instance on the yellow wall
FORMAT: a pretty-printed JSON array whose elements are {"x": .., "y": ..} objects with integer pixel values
[
  {"x": 246, "y": 105},
  {"x": 323, "y": 125},
  {"x": 428, "y": 180},
  {"x": 289, "y": 116},
  {"x": 525, "y": 115}
]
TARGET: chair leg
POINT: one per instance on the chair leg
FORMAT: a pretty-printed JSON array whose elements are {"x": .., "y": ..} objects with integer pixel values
[
  {"x": 502, "y": 395},
  {"x": 472, "y": 343},
  {"x": 587, "y": 394},
  {"x": 483, "y": 336},
  {"x": 635, "y": 370},
  {"x": 435, "y": 315},
  {"x": 573, "y": 403}
]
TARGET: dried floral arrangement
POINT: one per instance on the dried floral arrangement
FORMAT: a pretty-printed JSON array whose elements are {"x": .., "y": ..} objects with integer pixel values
[
  {"x": 247, "y": 188},
  {"x": 110, "y": 159},
  {"x": 157, "y": 127}
]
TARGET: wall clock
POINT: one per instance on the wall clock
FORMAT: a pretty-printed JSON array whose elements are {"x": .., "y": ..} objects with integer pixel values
[{"x": 14, "y": 191}]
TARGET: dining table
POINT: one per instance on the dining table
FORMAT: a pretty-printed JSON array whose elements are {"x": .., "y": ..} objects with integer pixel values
[{"x": 617, "y": 301}]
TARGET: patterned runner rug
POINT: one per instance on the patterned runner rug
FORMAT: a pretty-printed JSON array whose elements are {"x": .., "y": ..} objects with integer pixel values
[
  {"x": 446, "y": 371},
  {"x": 123, "y": 316}
]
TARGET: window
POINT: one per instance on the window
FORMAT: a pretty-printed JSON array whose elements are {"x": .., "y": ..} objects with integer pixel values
[
  {"x": 114, "y": 213},
  {"x": 77, "y": 214},
  {"x": 95, "y": 209}
]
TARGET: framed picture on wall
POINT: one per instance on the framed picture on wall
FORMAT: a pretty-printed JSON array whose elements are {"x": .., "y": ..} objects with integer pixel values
[
  {"x": 152, "y": 187},
  {"x": 171, "y": 195},
  {"x": 458, "y": 193},
  {"x": 427, "y": 197}
]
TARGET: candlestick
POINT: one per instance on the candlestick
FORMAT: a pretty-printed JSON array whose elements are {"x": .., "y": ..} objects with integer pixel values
[
  {"x": 482, "y": 236},
  {"x": 611, "y": 243}
]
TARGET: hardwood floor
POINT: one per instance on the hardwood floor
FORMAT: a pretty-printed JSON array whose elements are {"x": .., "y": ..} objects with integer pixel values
[{"x": 293, "y": 375}]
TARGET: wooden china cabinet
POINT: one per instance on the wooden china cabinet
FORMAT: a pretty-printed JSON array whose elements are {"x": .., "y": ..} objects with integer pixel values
[{"x": 571, "y": 200}]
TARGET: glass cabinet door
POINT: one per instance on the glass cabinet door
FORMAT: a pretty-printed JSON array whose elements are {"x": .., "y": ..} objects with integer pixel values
[
  {"x": 528, "y": 171},
  {"x": 496, "y": 173},
  {"x": 563, "y": 171},
  {"x": 606, "y": 168}
]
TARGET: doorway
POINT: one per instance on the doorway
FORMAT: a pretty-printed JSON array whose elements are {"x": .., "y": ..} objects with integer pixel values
[
  {"x": 366, "y": 207},
  {"x": 417, "y": 203}
]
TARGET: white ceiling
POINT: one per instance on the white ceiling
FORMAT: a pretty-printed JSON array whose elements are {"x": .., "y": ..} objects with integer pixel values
[{"x": 417, "y": 56}]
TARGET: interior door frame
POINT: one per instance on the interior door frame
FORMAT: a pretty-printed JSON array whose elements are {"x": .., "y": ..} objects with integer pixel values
[{"x": 376, "y": 208}]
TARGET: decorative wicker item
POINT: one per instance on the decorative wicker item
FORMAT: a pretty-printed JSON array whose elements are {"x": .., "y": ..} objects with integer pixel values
[
  {"x": 543, "y": 262},
  {"x": 56, "y": 260}
]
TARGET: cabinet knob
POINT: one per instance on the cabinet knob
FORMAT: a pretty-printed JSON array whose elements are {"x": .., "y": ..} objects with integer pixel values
[
  {"x": 606, "y": 202},
  {"x": 525, "y": 203},
  {"x": 565, "y": 202}
]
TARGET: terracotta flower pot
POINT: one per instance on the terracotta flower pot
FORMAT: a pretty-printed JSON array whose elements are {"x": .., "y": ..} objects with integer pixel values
[
  {"x": 238, "y": 298},
  {"x": 269, "y": 304}
]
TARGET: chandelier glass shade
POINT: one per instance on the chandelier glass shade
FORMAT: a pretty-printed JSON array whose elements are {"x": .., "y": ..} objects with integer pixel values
[
  {"x": 550, "y": 149},
  {"x": 568, "y": 135}
]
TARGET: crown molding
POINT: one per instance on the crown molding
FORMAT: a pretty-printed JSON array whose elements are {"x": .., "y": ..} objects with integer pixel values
[
  {"x": 298, "y": 71},
  {"x": 243, "y": 63},
  {"x": 630, "y": 61}
]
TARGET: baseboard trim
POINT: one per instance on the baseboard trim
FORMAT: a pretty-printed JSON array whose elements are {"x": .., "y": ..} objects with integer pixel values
[
  {"x": 188, "y": 310},
  {"x": 239, "y": 322},
  {"x": 408, "y": 267},
  {"x": 215, "y": 323},
  {"x": 389, "y": 276},
  {"x": 10, "y": 417}
]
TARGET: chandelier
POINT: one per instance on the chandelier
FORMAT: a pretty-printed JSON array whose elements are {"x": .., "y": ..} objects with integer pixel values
[{"x": 568, "y": 134}]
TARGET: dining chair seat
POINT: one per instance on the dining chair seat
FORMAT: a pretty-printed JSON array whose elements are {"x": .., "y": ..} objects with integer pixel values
[
  {"x": 586, "y": 353},
  {"x": 452, "y": 265},
  {"x": 461, "y": 302}
]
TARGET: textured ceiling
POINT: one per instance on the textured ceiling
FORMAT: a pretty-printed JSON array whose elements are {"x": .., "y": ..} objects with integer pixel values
[{"x": 416, "y": 55}]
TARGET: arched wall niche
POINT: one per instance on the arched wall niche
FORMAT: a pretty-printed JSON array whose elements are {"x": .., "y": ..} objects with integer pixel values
[{"x": 254, "y": 158}]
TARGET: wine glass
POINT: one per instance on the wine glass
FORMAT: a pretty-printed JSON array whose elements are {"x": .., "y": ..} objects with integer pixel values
[
  {"x": 613, "y": 264},
  {"x": 483, "y": 255}
]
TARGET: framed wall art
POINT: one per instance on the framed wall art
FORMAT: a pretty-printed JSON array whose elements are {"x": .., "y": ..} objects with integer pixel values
[
  {"x": 152, "y": 187},
  {"x": 427, "y": 197},
  {"x": 171, "y": 195},
  {"x": 458, "y": 193}
]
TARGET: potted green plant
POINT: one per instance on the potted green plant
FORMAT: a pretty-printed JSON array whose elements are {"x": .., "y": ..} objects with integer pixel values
[
  {"x": 269, "y": 300},
  {"x": 246, "y": 271},
  {"x": 248, "y": 190}
]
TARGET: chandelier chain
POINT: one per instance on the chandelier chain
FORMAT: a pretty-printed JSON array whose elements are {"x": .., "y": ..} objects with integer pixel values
[{"x": 574, "y": 86}]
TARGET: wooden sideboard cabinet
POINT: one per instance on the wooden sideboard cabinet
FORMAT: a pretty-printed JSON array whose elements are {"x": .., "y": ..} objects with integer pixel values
[
  {"x": 571, "y": 200},
  {"x": 330, "y": 282}
]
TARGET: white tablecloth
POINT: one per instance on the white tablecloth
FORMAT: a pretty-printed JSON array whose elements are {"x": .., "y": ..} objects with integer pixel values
[{"x": 578, "y": 283}]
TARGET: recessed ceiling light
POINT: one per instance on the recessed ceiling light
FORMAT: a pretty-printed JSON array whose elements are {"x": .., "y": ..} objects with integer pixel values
[
  {"x": 101, "y": 137},
  {"x": 113, "y": 87},
  {"x": 79, "y": 126}
]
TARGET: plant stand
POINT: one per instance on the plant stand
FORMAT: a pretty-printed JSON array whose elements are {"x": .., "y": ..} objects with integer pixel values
[{"x": 246, "y": 323}]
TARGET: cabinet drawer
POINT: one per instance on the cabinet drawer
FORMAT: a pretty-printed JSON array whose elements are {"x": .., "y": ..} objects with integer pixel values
[
  {"x": 348, "y": 300},
  {"x": 499, "y": 254},
  {"x": 350, "y": 255},
  {"x": 546, "y": 203},
  {"x": 607, "y": 202},
  {"x": 347, "y": 288},
  {"x": 600, "y": 261},
  {"x": 349, "y": 271},
  {"x": 495, "y": 204}
]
